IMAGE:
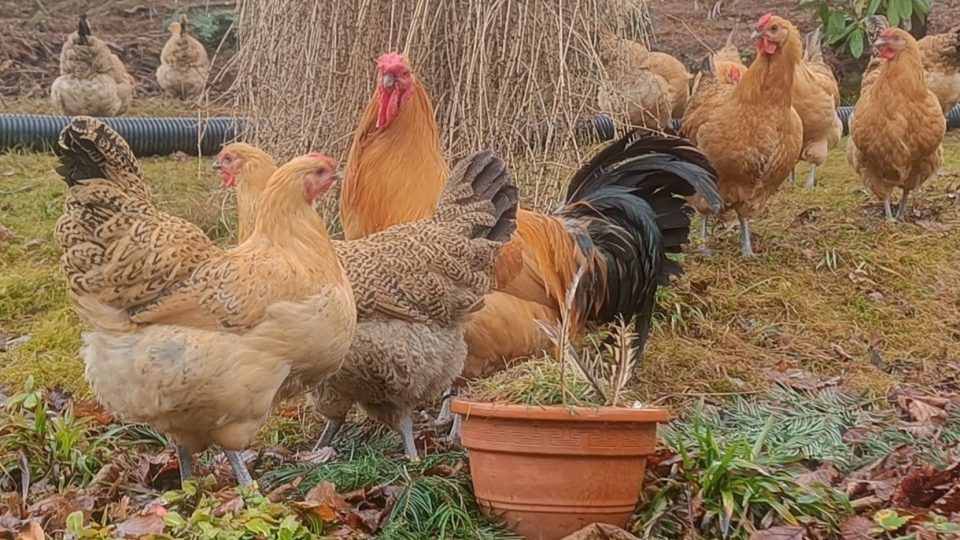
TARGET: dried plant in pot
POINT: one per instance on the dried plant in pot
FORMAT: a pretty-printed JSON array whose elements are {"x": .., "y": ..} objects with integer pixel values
[{"x": 556, "y": 444}]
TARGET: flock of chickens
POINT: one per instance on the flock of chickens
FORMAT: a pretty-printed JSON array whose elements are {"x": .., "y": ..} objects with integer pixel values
[
  {"x": 755, "y": 124},
  {"x": 93, "y": 81},
  {"x": 441, "y": 277}
]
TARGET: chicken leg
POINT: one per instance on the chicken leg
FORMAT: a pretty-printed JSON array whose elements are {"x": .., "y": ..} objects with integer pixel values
[
  {"x": 445, "y": 416},
  {"x": 887, "y": 210},
  {"x": 406, "y": 431},
  {"x": 329, "y": 432},
  {"x": 812, "y": 177},
  {"x": 902, "y": 207},
  {"x": 239, "y": 468},
  {"x": 186, "y": 464},
  {"x": 746, "y": 245},
  {"x": 793, "y": 175},
  {"x": 703, "y": 227}
]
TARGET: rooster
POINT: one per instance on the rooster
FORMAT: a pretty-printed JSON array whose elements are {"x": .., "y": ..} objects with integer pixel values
[{"x": 623, "y": 213}]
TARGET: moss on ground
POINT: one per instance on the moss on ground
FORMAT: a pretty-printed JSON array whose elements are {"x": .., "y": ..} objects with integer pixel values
[{"x": 836, "y": 289}]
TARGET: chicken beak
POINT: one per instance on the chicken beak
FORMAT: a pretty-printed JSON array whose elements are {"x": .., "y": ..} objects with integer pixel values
[
  {"x": 756, "y": 34},
  {"x": 388, "y": 80},
  {"x": 216, "y": 165}
]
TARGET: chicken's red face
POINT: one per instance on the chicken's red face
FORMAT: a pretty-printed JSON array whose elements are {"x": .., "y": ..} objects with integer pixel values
[
  {"x": 228, "y": 165},
  {"x": 321, "y": 178},
  {"x": 770, "y": 33},
  {"x": 394, "y": 84},
  {"x": 890, "y": 43}
]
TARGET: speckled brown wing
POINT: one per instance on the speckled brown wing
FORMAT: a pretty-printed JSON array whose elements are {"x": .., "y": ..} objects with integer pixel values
[
  {"x": 117, "y": 247},
  {"x": 437, "y": 270}
]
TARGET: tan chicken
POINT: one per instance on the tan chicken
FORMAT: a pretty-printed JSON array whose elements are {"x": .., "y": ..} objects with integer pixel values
[
  {"x": 92, "y": 79},
  {"x": 184, "y": 65},
  {"x": 195, "y": 341},
  {"x": 897, "y": 126},
  {"x": 941, "y": 62},
  {"x": 415, "y": 285},
  {"x": 750, "y": 132},
  {"x": 238, "y": 161},
  {"x": 816, "y": 96},
  {"x": 647, "y": 88},
  {"x": 727, "y": 64}
]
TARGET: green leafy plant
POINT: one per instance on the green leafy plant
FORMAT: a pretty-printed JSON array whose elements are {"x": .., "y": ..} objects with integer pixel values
[
  {"x": 842, "y": 21},
  {"x": 210, "y": 28},
  {"x": 730, "y": 488}
]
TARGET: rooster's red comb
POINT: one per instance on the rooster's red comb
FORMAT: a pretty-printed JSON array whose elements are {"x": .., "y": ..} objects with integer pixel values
[
  {"x": 391, "y": 60},
  {"x": 764, "y": 20},
  {"x": 320, "y": 155}
]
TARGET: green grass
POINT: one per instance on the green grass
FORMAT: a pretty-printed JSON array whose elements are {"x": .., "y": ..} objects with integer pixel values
[{"x": 153, "y": 107}]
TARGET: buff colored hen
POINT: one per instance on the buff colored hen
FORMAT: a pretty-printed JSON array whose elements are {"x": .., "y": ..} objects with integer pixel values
[
  {"x": 184, "y": 65},
  {"x": 92, "y": 79},
  {"x": 196, "y": 341},
  {"x": 415, "y": 285},
  {"x": 816, "y": 97}
]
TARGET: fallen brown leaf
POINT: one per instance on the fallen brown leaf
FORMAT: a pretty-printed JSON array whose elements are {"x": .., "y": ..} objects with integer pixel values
[
  {"x": 940, "y": 229},
  {"x": 88, "y": 408},
  {"x": 780, "y": 533},
  {"x": 601, "y": 531},
  {"x": 826, "y": 475},
  {"x": 53, "y": 510},
  {"x": 31, "y": 531},
  {"x": 324, "y": 501},
  {"x": 141, "y": 526},
  {"x": 858, "y": 528},
  {"x": 283, "y": 491},
  {"x": 231, "y": 505},
  {"x": 921, "y": 488},
  {"x": 924, "y": 412}
]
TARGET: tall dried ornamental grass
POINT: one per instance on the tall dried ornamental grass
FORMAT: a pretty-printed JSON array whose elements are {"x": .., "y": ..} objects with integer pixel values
[{"x": 501, "y": 72}]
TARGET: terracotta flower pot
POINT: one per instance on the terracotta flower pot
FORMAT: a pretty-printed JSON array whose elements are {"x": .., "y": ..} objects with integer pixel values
[{"x": 550, "y": 471}]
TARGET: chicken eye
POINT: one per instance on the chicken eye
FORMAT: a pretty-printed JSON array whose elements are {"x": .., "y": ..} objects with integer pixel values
[{"x": 774, "y": 28}]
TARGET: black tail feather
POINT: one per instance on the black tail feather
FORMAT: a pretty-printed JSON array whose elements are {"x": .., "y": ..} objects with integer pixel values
[
  {"x": 83, "y": 30},
  {"x": 629, "y": 202}
]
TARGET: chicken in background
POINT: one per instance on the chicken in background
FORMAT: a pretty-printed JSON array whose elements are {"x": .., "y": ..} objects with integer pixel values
[
  {"x": 728, "y": 67},
  {"x": 623, "y": 213},
  {"x": 92, "y": 79},
  {"x": 196, "y": 341},
  {"x": 750, "y": 132},
  {"x": 647, "y": 88},
  {"x": 897, "y": 126},
  {"x": 184, "y": 65},
  {"x": 413, "y": 305},
  {"x": 241, "y": 161},
  {"x": 940, "y": 54},
  {"x": 816, "y": 96}
]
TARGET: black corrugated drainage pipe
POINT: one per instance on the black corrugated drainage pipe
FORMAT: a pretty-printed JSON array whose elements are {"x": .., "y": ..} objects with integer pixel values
[
  {"x": 147, "y": 136},
  {"x": 602, "y": 126}
]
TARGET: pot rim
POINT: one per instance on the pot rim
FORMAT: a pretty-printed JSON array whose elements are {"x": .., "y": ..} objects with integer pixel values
[{"x": 486, "y": 409}]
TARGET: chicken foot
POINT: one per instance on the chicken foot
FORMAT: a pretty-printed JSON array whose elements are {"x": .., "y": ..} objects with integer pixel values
[
  {"x": 186, "y": 464},
  {"x": 406, "y": 431},
  {"x": 329, "y": 432},
  {"x": 902, "y": 207},
  {"x": 812, "y": 177},
  {"x": 239, "y": 468},
  {"x": 445, "y": 417},
  {"x": 746, "y": 245},
  {"x": 887, "y": 210}
]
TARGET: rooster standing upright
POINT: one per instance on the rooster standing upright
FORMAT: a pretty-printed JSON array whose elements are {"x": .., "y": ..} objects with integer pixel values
[{"x": 623, "y": 213}]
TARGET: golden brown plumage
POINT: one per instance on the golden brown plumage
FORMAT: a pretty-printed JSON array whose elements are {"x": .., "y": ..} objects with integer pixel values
[
  {"x": 754, "y": 136},
  {"x": 184, "y": 65},
  {"x": 727, "y": 65},
  {"x": 203, "y": 350},
  {"x": 415, "y": 284},
  {"x": 92, "y": 79},
  {"x": 608, "y": 222},
  {"x": 636, "y": 88},
  {"x": 241, "y": 160},
  {"x": 897, "y": 126},
  {"x": 816, "y": 97}
]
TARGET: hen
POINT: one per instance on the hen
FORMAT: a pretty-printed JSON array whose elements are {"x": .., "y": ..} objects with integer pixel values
[
  {"x": 648, "y": 88},
  {"x": 750, "y": 132},
  {"x": 816, "y": 97},
  {"x": 941, "y": 62},
  {"x": 184, "y": 65},
  {"x": 429, "y": 276},
  {"x": 196, "y": 341},
  {"x": 623, "y": 213},
  {"x": 92, "y": 79},
  {"x": 897, "y": 126},
  {"x": 727, "y": 64}
]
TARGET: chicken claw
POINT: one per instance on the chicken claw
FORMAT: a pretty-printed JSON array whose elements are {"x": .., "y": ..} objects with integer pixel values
[
  {"x": 746, "y": 245},
  {"x": 186, "y": 464},
  {"x": 239, "y": 468},
  {"x": 887, "y": 210},
  {"x": 445, "y": 416},
  {"x": 902, "y": 207}
]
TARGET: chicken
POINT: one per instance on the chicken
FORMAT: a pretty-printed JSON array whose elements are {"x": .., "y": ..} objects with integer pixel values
[
  {"x": 92, "y": 79},
  {"x": 241, "y": 160},
  {"x": 897, "y": 126},
  {"x": 623, "y": 212},
  {"x": 432, "y": 275},
  {"x": 648, "y": 88},
  {"x": 184, "y": 65},
  {"x": 816, "y": 97},
  {"x": 941, "y": 62},
  {"x": 195, "y": 341},
  {"x": 727, "y": 64},
  {"x": 750, "y": 132}
]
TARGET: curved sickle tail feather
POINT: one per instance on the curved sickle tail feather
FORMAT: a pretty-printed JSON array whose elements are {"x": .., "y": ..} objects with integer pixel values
[
  {"x": 626, "y": 210},
  {"x": 90, "y": 149}
]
